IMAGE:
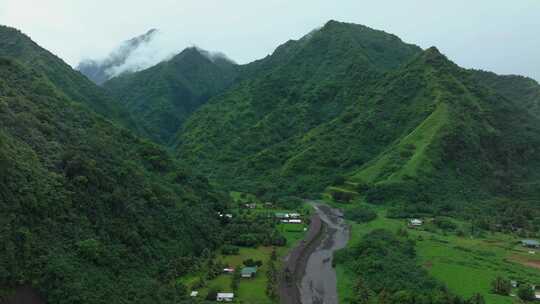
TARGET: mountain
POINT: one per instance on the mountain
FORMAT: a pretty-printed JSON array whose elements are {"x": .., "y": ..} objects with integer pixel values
[
  {"x": 525, "y": 91},
  {"x": 89, "y": 212},
  {"x": 15, "y": 44},
  {"x": 350, "y": 103},
  {"x": 162, "y": 97},
  {"x": 100, "y": 71},
  {"x": 249, "y": 137}
]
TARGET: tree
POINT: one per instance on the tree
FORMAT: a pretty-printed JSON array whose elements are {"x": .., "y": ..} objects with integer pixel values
[
  {"x": 526, "y": 293},
  {"x": 362, "y": 293},
  {"x": 235, "y": 280},
  {"x": 501, "y": 286},
  {"x": 383, "y": 298},
  {"x": 477, "y": 299},
  {"x": 272, "y": 276}
]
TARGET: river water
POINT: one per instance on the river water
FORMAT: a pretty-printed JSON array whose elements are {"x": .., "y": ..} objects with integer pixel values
[{"x": 319, "y": 282}]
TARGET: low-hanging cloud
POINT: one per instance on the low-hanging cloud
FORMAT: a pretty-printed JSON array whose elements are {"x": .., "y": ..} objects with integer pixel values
[{"x": 140, "y": 53}]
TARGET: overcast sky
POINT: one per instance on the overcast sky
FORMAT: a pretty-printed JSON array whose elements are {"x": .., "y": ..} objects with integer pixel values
[{"x": 497, "y": 35}]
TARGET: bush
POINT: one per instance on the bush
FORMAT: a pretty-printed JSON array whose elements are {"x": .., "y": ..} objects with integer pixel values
[
  {"x": 501, "y": 286},
  {"x": 229, "y": 250},
  {"x": 360, "y": 214},
  {"x": 252, "y": 263},
  {"x": 342, "y": 197},
  {"x": 526, "y": 293},
  {"x": 212, "y": 294},
  {"x": 444, "y": 223}
]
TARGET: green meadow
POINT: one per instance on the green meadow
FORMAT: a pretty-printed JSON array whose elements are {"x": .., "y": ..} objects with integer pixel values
[{"x": 465, "y": 264}]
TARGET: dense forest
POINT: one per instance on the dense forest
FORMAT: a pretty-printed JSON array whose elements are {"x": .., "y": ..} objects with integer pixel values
[
  {"x": 176, "y": 88},
  {"x": 89, "y": 212},
  {"x": 357, "y": 108},
  {"x": 109, "y": 194}
]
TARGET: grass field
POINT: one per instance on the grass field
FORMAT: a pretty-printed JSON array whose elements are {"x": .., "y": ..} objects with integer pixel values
[{"x": 466, "y": 265}]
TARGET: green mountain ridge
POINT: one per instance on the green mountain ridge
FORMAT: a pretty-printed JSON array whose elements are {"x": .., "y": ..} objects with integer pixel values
[
  {"x": 414, "y": 127},
  {"x": 162, "y": 97},
  {"x": 76, "y": 86},
  {"x": 89, "y": 212}
]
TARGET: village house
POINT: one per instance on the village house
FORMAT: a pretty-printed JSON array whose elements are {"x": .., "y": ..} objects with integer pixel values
[
  {"x": 415, "y": 223},
  {"x": 295, "y": 221},
  {"x": 225, "y": 297},
  {"x": 250, "y": 206},
  {"x": 228, "y": 270},
  {"x": 530, "y": 243},
  {"x": 294, "y": 215},
  {"x": 281, "y": 215},
  {"x": 194, "y": 293},
  {"x": 249, "y": 272}
]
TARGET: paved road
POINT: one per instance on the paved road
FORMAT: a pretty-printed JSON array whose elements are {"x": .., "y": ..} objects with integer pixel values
[{"x": 319, "y": 283}]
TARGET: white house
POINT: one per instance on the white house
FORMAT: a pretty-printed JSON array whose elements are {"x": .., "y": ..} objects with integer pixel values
[
  {"x": 416, "y": 222},
  {"x": 194, "y": 293},
  {"x": 294, "y": 215},
  {"x": 295, "y": 221},
  {"x": 225, "y": 297}
]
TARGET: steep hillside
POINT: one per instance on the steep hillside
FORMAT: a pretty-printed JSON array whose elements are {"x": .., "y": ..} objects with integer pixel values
[
  {"x": 89, "y": 213},
  {"x": 161, "y": 98},
  {"x": 522, "y": 90},
  {"x": 16, "y": 45},
  {"x": 413, "y": 127},
  {"x": 246, "y": 137},
  {"x": 100, "y": 71},
  {"x": 470, "y": 144}
]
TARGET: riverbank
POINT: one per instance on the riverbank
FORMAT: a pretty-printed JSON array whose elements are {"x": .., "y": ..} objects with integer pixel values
[
  {"x": 308, "y": 273},
  {"x": 289, "y": 291}
]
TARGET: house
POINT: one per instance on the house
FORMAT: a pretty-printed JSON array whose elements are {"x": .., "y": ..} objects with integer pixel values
[
  {"x": 294, "y": 215},
  {"x": 415, "y": 223},
  {"x": 194, "y": 293},
  {"x": 295, "y": 221},
  {"x": 228, "y": 270},
  {"x": 530, "y": 243},
  {"x": 249, "y": 272},
  {"x": 285, "y": 221},
  {"x": 250, "y": 206},
  {"x": 514, "y": 283},
  {"x": 281, "y": 215},
  {"x": 225, "y": 297}
]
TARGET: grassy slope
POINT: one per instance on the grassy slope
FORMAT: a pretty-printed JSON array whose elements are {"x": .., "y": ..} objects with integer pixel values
[{"x": 466, "y": 265}]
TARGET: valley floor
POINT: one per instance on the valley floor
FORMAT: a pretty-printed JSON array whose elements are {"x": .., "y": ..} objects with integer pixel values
[{"x": 465, "y": 264}]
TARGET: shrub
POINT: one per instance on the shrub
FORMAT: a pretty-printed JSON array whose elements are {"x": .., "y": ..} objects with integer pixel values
[
  {"x": 526, "y": 293},
  {"x": 252, "y": 263},
  {"x": 444, "y": 223},
  {"x": 501, "y": 286},
  {"x": 360, "y": 214},
  {"x": 229, "y": 250}
]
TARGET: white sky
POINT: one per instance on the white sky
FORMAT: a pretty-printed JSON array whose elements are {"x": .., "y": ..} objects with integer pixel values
[{"x": 498, "y": 35}]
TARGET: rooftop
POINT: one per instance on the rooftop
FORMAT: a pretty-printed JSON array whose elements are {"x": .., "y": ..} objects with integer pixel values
[{"x": 249, "y": 270}]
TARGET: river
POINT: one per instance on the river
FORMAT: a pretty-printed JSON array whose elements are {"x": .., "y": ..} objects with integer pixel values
[{"x": 319, "y": 282}]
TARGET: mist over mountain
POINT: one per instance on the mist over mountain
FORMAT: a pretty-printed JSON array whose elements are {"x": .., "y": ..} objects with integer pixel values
[
  {"x": 118, "y": 61},
  {"x": 162, "y": 97}
]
